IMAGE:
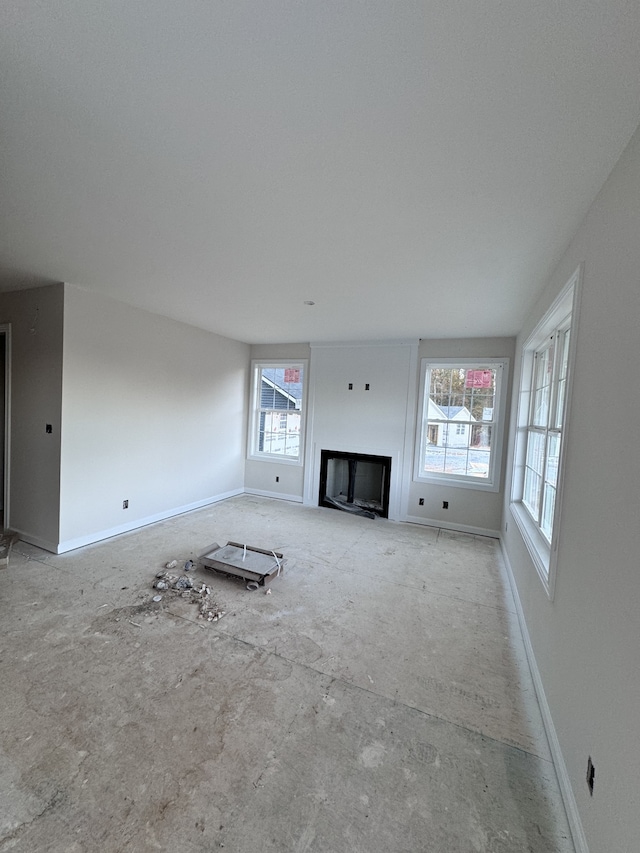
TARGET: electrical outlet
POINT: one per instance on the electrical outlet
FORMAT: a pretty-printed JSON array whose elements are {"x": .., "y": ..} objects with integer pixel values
[
  {"x": 445, "y": 504},
  {"x": 277, "y": 479},
  {"x": 421, "y": 501},
  {"x": 48, "y": 429},
  {"x": 591, "y": 775},
  {"x": 125, "y": 504}
]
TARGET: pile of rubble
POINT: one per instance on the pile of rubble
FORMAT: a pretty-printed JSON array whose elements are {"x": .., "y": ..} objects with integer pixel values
[{"x": 184, "y": 587}]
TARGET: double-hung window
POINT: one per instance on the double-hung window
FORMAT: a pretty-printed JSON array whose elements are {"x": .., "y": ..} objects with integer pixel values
[
  {"x": 276, "y": 430},
  {"x": 461, "y": 421},
  {"x": 544, "y": 429},
  {"x": 541, "y": 434}
]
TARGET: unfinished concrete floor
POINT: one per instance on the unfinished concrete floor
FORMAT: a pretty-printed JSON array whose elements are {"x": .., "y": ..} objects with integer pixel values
[{"x": 377, "y": 700}]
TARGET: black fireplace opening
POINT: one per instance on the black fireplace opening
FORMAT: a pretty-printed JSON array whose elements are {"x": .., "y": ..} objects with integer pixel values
[{"x": 355, "y": 482}]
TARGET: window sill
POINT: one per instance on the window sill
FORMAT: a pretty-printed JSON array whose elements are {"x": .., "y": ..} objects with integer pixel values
[
  {"x": 537, "y": 546},
  {"x": 458, "y": 482},
  {"x": 278, "y": 460}
]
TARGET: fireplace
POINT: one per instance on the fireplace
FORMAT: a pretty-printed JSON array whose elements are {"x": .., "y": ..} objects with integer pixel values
[{"x": 355, "y": 482}]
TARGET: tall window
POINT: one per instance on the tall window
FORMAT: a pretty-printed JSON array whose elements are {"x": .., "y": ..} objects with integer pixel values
[
  {"x": 544, "y": 430},
  {"x": 541, "y": 434},
  {"x": 461, "y": 422},
  {"x": 277, "y": 410}
]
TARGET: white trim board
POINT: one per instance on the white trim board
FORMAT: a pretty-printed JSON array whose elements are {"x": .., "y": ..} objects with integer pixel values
[
  {"x": 277, "y": 495},
  {"x": 460, "y": 528},
  {"x": 45, "y": 544},
  {"x": 99, "y": 536},
  {"x": 568, "y": 798},
  {"x": 403, "y": 342},
  {"x": 5, "y": 329}
]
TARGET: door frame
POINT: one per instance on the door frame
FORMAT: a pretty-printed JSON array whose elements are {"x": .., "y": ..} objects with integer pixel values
[{"x": 5, "y": 331}]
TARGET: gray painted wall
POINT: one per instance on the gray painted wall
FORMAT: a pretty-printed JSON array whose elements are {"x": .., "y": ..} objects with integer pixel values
[
  {"x": 36, "y": 318},
  {"x": 383, "y": 417},
  {"x": 153, "y": 411},
  {"x": 587, "y": 640}
]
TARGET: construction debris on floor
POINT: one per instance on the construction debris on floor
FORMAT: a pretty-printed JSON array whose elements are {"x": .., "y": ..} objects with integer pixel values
[
  {"x": 185, "y": 587},
  {"x": 256, "y": 566},
  {"x": 378, "y": 700}
]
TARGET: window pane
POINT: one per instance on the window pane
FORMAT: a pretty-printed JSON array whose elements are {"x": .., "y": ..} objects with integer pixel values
[
  {"x": 459, "y": 412},
  {"x": 440, "y": 386},
  {"x": 456, "y": 461},
  {"x": 535, "y": 452},
  {"x": 544, "y": 366},
  {"x": 548, "y": 504},
  {"x": 281, "y": 388},
  {"x": 531, "y": 496},
  {"x": 464, "y": 450},
  {"x": 534, "y": 466},
  {"x": 565, "y": 354},
  {"x": 280, "y": 433},
  {"x": 560, "y": 404},
  {"x": 553, "y": 459},
  {"x": 562, "y": 381},
  {"x": 482, "y": 407},
  {"x": 434, "y": 459},
  {"x": 541, "y": 406},
  {"x": 542, "y": 386},
  {"x": 279, "y": 402},
  {"x": 480, "y": 455}
]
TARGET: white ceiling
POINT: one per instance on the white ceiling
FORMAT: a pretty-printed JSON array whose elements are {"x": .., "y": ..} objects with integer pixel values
[{"x": 415, "y": 168}]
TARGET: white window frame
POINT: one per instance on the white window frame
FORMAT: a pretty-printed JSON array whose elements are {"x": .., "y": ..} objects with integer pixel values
[
  {"x": 257, "y": 366},
  {"x": 492, "y": 482},
  {"x": 561, "y": 316}
]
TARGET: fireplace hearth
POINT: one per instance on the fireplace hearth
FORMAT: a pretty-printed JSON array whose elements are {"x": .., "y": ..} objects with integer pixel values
[{"x": 355, "y": 482}]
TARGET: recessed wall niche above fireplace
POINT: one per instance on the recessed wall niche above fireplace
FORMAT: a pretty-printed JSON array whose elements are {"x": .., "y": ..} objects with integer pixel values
[{"x": 355, "y": 482}]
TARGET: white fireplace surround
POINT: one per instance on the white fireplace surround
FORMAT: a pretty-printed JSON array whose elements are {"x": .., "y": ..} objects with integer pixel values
[
  {"x": 395, "y": 483},
  {"x": 362, "y": 400}
]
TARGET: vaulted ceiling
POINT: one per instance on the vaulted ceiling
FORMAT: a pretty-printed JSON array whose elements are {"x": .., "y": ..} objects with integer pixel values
[{"x": 416, "y": 169}]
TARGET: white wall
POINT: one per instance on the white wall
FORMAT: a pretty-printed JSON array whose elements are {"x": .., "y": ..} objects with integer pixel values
[
  {"x": 36, "y": 319},
  {"x": 360, "y": 421},
  {"x": 469, "y": 509},
  {"x": 153, "y": 411},
  {"x": 587, "y": 640}
]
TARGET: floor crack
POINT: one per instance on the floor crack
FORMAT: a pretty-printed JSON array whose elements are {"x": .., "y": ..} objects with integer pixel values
[{"x": 55, "y": 800}]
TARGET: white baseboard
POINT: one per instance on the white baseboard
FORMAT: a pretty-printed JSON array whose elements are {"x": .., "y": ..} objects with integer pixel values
[
  {"x": 264, "y": 494},
  {"x": 45, "y": 544},
  {"x": 568, "y": 798},
  {"x": 460, "y": 528},
  {"x": 134, "y": 524}
]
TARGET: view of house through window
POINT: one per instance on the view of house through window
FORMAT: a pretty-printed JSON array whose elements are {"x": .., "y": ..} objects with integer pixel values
[
  {"x": 459, "y": 419},
  {"x": 277, "y": 399}
]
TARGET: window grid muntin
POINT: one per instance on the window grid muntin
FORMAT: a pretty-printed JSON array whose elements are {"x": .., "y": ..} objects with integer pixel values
[
  {"x": 471, "y": 396},
  {"x": 264, "y": 441},
  {"x": 551, "y": 359}
]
